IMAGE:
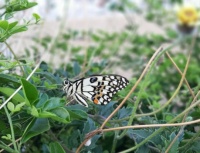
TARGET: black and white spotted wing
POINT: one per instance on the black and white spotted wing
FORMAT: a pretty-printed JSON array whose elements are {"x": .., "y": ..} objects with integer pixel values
[{"x": 98, "y": 88}]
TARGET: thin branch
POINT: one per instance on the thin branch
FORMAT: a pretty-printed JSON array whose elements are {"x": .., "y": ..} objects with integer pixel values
[
  {"x": 131, "y": 91},
  {"x": 150, "y": 126},
  {"x": 7, "y": 149},
  {"x": 9, "y": 145},
  {"x": 195, "y": 98},
  {"x": 124, "y": 100},
  {"x": 91, "y": 134},
  {"x": 186, "y": 82},
  {"x": 11, "y": 129},
  {"x": 15, "y": 57},
  {"x": 174, "y": 119},
  {"x": 16, "y": 91},
  {"x": 134, "y": 87}
]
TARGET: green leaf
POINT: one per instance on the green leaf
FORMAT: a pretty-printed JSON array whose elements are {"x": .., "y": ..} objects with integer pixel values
[
  {"x": 53, "y": 103},
  {"x": 49, "y": 76},
  {"x": 89, "y": 125},
  {"x": 37, "y": 17},
  {"x": 169, "y": 117},
  {"x": 8, "y": 15},
  {"x": 50, "y": 86},
  {"x": 156, "y": 105},
  {"x": 7, "y": 79},
  {"x": 4, "y": 24},
  {"x": 31, "y": 4},
  {"x": 194, "y": 148},
  {"x": 30, "y": 92},
  {"x": 56, "y": 147},
  {"x": 9, "y": 91},
  {"x": 124, "y": 112},
  {"x": 76, "y": 68},
  {"x": 13, "y": 24},
  {"x": 19, "y": 106},
  {"x": 43, "y": 98},
  {"x": 46, "y": 114},
  {"x": 174, "y": 147},
  {"x": 171, "y": 33},
  {"x": 11, "y": 106},
  {"x": 77, "y": 114},
  {"x": 7, "y": 65},
  {"x": 16, "y": 6},
  {"x": 17, "y": 29},
  {"x": 107, "y": 109},
  {"x": 140, "y": 135},
  {"x": 7, "y": 137},
  {"x": 96, "y": 37},
  {"x": 14, "y": 108},
  {"x": 62, "y": 113},
  {"x": 36, "y": 127},
  {"x": 34, "y": 111},
  {"x": 64, "y": 118}
]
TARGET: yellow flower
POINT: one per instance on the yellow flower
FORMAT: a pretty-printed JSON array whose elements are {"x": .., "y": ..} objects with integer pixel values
[{"x": 188, "y": 15}]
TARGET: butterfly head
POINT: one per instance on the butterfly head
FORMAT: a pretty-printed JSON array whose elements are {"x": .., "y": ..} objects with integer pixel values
[{"x": 66, "y": 84}]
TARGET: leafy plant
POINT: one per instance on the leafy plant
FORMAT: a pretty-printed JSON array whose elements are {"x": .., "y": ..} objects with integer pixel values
[{"x": 156, "y": 112}]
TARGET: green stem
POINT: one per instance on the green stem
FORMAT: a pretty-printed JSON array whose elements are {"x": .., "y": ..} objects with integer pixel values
[
  {"x": 195, "y": 98},
  {"x": 190, "y": 142},
  {"x": 8, "y": 149},
  {"x": 186, "y": 110},
  {"x": 160, "y": 129},
  {"x": 160, "y": 125},
  {"x": 143, "y": 86},
  {"x": 182, "y": 114},
  {"x": 11, "y": 129},
  {"x": 114, "y": 142},
  {"x": 15, "y": 57}
]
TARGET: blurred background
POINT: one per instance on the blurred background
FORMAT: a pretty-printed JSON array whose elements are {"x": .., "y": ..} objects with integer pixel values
[
  {"x": 71, "y": 28},
  {"x": 78, "y": 38}
]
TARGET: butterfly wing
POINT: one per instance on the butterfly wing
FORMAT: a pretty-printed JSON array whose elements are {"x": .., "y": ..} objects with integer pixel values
[
  {"x": 80, "y": 99},
  {"x": 100, "y": 89}
]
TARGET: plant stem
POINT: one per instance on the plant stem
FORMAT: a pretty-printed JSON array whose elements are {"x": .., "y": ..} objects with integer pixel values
[
  {"x": 186, "y": 82},
  {"x": 143, "y": 86},
  {"x": 15, "y": 57},
  {"x": 154, "y": 58},
  {"x": 160, "y": 125},
  {"x": 12, "y": 144},
  {"x": 18, "y": 89},
  {"x": 11, "y": 129},
  {"x": 131, "y": 91},
  {"x": 189, "y": 143},
  {"x": 175, "y": 93},
  {"x": 8, "y": 149},
  {"x": 161, "y": 129},
  {"x": 194, "y": 99},
  {"x": 114, "y": 142}
]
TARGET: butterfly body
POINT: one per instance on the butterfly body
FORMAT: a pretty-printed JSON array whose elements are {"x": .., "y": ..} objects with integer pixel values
[{"x": 97, "y": 88}]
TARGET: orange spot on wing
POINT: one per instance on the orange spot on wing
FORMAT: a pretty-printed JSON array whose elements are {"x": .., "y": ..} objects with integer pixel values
[{"x": 95, "y": 101}]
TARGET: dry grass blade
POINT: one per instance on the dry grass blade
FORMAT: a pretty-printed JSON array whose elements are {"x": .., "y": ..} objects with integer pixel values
[{"x": 128, "y": 95}]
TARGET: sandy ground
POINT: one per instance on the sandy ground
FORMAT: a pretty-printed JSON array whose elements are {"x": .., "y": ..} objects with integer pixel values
[{"x": 114, "y": 22}]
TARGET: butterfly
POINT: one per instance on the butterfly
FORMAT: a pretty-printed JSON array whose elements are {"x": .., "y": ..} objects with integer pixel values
[{"x": 96, "y": 88}]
